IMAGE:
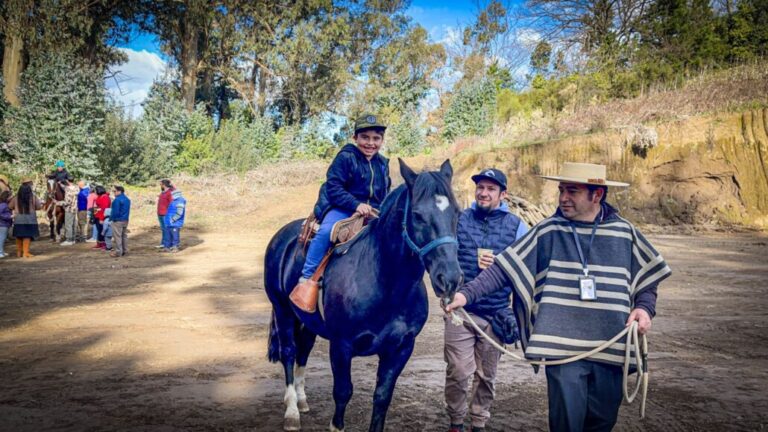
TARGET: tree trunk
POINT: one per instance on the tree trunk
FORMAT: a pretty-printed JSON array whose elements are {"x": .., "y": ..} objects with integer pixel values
[
  {"x": 13, "y": 65},
  {"x": 262, "y": 101},
  {"x": 189, "y": 61}
]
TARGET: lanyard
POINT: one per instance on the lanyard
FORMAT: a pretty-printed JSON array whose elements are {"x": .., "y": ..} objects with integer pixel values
[{"x": 578, "y": 244}]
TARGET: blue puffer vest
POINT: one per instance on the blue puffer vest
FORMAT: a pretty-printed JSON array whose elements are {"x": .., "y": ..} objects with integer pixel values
[{"x": 495, "y": 230}]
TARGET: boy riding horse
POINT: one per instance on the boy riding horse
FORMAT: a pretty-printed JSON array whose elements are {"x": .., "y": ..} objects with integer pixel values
[{"x": 357, "y": 182}]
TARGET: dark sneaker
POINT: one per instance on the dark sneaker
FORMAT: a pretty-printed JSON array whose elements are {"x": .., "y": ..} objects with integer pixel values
[{"x": 478, "y": 429}]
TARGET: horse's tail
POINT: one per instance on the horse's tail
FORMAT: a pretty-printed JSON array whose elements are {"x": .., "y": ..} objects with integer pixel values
[{"x": 273, "y": 342}]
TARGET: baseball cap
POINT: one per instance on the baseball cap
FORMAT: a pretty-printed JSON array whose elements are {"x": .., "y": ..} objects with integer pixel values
[
  {"x": 493, "y": 175},
  {"x": 367, "y": 121}
]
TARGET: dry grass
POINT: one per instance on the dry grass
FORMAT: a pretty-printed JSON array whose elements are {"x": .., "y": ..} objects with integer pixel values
[
  {"x": 215, "y": 197},
  {"x": 737, "y": 88}
]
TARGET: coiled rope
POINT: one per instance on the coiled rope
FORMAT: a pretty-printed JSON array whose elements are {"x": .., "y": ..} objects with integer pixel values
[{"x": 634, "y": 342}]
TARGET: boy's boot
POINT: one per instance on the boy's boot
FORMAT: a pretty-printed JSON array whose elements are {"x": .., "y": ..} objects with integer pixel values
[
  {"x": 25, "y": 245},
  {"x": 19, "y": 247},
  {"x": 305, "y": 295}
]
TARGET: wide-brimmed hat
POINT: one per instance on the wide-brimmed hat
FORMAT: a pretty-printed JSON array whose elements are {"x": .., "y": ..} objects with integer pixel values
[
  {"x": 4, "y": 179},
  {"x": 584, "y": 173},
  {"x": 368, "y": 121},
  {"x": 27, "y": 179}
]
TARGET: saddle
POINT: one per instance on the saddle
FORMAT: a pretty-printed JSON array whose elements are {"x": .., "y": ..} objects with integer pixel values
[{"x": 306, "y": 295}]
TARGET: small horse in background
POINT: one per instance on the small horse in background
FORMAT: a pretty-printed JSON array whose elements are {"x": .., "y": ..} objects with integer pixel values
[
  {"x": 54, "y": 211},
  {"x": 374, "y": 294}
]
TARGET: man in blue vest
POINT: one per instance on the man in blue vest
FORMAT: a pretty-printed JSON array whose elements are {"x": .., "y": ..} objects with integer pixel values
[{"x": 484, "y": 230}]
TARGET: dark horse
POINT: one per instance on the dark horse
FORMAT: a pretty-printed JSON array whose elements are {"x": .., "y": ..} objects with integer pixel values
[
  {"x": 53, "y": 211},
  {"x": 374, "y": 295}
]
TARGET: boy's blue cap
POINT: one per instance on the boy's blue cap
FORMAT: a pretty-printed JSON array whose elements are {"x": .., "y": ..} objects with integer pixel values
[{"x": 59, "y": 163}]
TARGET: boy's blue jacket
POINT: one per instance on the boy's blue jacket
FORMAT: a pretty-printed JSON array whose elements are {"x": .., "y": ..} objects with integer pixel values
[
  {"x": 177, "y": 210},
  {"x": 351, "y": 180}
]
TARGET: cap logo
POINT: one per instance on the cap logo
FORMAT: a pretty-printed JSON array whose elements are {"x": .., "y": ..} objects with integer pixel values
[
  {"x": 370, "y": 119},
  {"x": 597, "y": 180},
  {"x": 490, "y": 173}
]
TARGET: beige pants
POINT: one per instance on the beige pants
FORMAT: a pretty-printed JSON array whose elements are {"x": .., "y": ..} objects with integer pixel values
[
  {"x": 469, "y": 355},
  {"x": 120, "y": 237}
]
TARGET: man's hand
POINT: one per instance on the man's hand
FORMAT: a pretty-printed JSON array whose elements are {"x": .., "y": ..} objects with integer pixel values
[
  {"x": 642, "y": 318},
  {"x": 486, "y": 260},
  {"x": 458, "y": 301},
  {"x": 364, "y": 210}
]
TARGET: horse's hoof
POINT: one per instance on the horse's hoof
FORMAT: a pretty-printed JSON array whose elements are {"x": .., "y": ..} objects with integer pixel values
[
  {"x": 303, "y": 406},
  {"x": 292, "y": 424},
  {"x": 332, "y": 428}
]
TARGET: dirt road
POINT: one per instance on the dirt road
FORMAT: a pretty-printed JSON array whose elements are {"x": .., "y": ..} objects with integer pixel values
[{"x": 177, "y": 342}]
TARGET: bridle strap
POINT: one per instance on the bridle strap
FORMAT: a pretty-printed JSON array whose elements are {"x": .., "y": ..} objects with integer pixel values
[{"x": 429, "y": 247}]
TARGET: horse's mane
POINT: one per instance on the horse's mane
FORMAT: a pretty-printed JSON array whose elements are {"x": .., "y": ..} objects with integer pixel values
[{"x": 427, "y": 184}]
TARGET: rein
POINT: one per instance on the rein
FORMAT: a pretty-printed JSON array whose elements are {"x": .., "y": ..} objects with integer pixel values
[
  {"x": 639, "y": 343},
  {"x": 422, "y": 251}
]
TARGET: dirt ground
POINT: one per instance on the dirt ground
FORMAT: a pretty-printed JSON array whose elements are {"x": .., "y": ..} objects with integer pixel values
[{"x": 158, "y": 342}]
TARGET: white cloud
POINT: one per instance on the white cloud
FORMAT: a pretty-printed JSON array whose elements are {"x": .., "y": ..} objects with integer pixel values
[
  {"x": 528, "y": 37},
  {"x": 133, "y": 79}
]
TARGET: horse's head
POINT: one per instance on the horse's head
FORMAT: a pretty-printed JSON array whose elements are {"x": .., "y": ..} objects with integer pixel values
[{"x": 431, "y": 226}]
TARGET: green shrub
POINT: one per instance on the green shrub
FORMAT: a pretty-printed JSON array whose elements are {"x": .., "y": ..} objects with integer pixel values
[
  {"x": 471, "y": 111},
  {"x": 61, "y": 116},
  {"x": 239, "y": 146},
  {"x": 406, "y": 137}
]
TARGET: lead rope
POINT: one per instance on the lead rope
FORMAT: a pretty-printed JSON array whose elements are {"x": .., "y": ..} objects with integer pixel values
[{"x": 640, "y": 346}]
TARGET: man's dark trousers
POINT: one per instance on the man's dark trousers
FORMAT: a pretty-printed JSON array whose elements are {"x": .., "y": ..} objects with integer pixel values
[{"x": 583, "y": 396}]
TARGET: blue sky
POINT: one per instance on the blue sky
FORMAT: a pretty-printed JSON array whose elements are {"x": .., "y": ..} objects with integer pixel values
[{"x": 441, "y": 19}]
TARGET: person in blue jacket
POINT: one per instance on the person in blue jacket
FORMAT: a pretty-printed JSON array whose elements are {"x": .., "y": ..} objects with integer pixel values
[
  {"x": 173, "y": 221},
  {"x": 356, "y": 182},
  {"x": 484, "y": 230},
  {"x": 120, "y": 215}
]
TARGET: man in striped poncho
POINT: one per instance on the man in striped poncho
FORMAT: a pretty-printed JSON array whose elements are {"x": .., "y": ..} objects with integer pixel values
[{"x": 578, "y": 277}]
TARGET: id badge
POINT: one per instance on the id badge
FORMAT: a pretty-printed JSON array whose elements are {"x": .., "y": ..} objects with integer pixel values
[{"x": 588, "y": 288}]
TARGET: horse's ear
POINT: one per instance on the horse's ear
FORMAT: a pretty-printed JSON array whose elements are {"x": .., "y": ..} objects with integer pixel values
[
  {"x": 446, "y": 169},
  {"x": 408, "y": 174}
]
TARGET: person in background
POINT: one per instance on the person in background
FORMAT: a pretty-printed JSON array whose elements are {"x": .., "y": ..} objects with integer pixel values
[
  {"x": 90, "y": 204},
  {"x": 100, "y": 205},
  {"x": 121, "y": 212},
  {"x": 82, "y": 210},
  {"x": 4, "y": 185},
  {"x": 25, "y": 205},
  {"x": 6, "y": 220},
  {"x": 60, "y": 173},
  {"x": 163, "y": 201},
  {"x": 70, "y": 211},
  {"x": 106, "y": 230},
  {"x": 174, "y": 221}
]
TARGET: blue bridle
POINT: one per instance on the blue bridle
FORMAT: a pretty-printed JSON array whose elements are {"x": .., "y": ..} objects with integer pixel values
[{"x": 423, "y": 251}]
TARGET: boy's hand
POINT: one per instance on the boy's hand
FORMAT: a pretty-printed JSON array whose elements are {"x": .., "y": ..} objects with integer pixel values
[{"x": 364, "y": 209}]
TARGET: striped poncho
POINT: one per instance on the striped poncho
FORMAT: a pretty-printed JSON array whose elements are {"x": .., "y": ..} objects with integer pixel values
[{"x": 544, "y": 268}]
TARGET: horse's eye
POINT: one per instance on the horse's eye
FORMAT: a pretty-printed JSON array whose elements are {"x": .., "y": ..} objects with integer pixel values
[{"x": 418, "y": 218}]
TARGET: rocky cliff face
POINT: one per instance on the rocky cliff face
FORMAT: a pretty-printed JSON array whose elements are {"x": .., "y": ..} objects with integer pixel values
[{"x": 702, "y": 170}]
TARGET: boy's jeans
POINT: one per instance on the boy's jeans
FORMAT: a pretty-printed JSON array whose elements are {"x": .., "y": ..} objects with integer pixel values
[
  {"x": 161, "y": 220},
  {"x": 172, "y": 237},
  {"x": 321, "y": 242},
  {"x": 3, "y": 235}
]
